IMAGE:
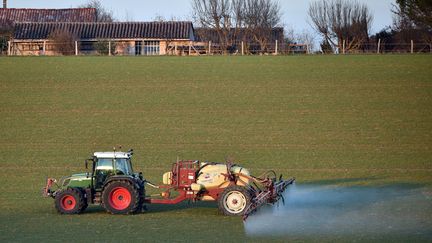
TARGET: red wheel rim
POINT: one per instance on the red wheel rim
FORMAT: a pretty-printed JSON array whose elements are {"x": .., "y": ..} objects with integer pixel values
[
  {"x": 68, "y": 202},
  {"x": 120, "y": 198}
]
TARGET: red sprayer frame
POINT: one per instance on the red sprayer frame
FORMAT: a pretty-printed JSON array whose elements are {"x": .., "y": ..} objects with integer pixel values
[{"x": 183, "y": 175}]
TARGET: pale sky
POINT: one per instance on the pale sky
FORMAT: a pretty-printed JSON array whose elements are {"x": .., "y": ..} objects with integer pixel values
[{"x": 294, "y": 11}]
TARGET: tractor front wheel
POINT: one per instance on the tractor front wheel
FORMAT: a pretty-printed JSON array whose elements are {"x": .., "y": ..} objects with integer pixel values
[
  {"x": 70, "y": 201},
  {"x": 234, "y": 200},
  {"x": 121, "y": 197}
]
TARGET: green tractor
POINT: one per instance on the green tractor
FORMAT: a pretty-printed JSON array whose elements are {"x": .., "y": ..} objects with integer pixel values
[{"x": 111, "y": 183}]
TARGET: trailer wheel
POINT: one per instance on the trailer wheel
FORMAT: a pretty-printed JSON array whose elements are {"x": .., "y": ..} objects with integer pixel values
[
  {"x": 234, "y": 200},
  {"x": 70, "y": 201},
  {"x": 121, "y": 197}
]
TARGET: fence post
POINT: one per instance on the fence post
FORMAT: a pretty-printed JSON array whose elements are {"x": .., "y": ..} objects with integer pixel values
[
  {"x": 412, "y": 46},
  {"x": 175, "y": 48},
  {"x": 242, "y": 48},
  {"x": 76, "y": 48},
  {"x": 9, "y": 48},
  {"x": 44, "y": 48},
  {"x": 276, "y": 47},
  {"x": 190, "y": 48},
  {"x": 143, "y": 48},
  {"x": 109, "y": 48},
  {"x": 379, "y": 45},
  {"x": 209, "y": 51},
  {"x": 343, "y": 47}
]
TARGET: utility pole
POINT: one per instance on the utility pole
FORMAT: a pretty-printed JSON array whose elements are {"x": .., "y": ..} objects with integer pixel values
[{"x": 4, "y": 3}]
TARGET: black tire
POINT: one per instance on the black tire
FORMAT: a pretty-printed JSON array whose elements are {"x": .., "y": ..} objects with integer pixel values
[
  {"x": 142, "y": 197},
  {"x": 84, "y": 208},
  {"x": 85, "y": 200},
  {"x": 70, "y": 201},
  {"x": 234, "y": 201},
  {"x": 121, "y": 197}
]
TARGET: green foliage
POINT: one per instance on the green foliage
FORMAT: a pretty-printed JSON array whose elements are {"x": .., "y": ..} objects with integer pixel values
[
  {"x": 6, "y": 32},
  {"x": 3, "y": 44},
  {"x": 366, "y": 119},
  {"x": 102, "y": 47},
  {"x": 418, "y": 11}
]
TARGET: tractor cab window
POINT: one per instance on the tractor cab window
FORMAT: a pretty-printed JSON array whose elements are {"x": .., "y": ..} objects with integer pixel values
[
  {"x": 104, "y": 169},
  {"x": 123, "y": 166}
]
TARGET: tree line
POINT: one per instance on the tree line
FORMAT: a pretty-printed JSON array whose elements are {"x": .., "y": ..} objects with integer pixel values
[
  {"x": 341, "y": 24},
  {"x": 234, "y": 20},
  {"x": 412, "y": 21}
]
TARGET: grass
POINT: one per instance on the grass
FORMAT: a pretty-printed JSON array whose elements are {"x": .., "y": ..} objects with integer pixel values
[{"x": 366, "y": 119}]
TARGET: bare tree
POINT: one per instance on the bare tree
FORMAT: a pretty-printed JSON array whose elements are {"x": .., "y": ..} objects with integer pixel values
[
  {"x": 237, "y": 11},
  {"x": 341, "y": 20},
  {"x": 307, "y": 38},
  {"x": 63, "y": 42},
  {"x": 289, "y": 35},
  {"x": 260, "y": 17},
  {"x": 102, "y": 14},
  {"x": 238, "y": 19},
  {"x": 215, "y": 14},
  {"x": 159, "y": 18}
]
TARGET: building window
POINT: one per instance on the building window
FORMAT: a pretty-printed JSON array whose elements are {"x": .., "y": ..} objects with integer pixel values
[
  {"x": 138, "y": 47},
  {"x": 88, "y": 46},
  {"x": 31, "y": 47},
  {"x": 151, "y": 48}
]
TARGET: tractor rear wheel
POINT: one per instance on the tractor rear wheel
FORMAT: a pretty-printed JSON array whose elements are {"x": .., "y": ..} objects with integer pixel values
[
  {"x": 234, "y": 200},
  {"x": 70, "y": 201},
  {"x": 121, "y": 197}
]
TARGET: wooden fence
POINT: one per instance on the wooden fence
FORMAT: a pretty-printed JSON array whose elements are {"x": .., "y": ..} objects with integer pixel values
[{"x": 113, "y": 48}]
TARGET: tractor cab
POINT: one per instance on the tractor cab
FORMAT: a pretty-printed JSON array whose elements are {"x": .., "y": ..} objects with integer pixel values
[{"x": 107, "y": 164}]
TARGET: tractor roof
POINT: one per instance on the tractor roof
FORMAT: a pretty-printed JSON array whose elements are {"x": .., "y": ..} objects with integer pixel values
[{"x": 120, "y": 155}]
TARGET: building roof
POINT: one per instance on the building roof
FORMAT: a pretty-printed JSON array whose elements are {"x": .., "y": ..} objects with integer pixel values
[
  {"x": 115, "y": 30},
  {"x": 15, "y": 15}
]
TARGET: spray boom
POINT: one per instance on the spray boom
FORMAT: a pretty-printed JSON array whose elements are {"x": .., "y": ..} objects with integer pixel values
[{"x": 270, "y": 195}]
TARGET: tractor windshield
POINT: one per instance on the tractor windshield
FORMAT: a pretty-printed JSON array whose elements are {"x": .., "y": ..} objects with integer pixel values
[{"x": 122, "y": 165}]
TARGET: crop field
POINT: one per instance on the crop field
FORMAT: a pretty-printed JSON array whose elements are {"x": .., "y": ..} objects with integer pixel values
[{"x": 346, "y": 120}]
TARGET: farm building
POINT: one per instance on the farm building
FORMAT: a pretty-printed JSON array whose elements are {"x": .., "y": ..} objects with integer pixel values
[
  {"x": 17, "y": 15},
  {"x": 119, "y": 38},
  {"x": 10, "y": 16},
  {"x": 76, "y": 31}
]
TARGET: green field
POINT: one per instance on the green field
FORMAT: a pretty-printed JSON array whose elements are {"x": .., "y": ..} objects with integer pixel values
[{"x": 348, "y": 119}]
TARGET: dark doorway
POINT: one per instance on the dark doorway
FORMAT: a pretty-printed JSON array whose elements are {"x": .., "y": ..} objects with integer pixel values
[{"x": 138, "y": 48}]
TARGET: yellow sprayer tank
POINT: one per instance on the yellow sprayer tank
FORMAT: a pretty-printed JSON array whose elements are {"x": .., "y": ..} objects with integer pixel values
[{"x": 214, "y": 175}]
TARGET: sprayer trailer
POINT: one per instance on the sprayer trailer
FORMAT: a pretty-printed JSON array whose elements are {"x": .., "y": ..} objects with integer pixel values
[{"x": 112, "y": 183}]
